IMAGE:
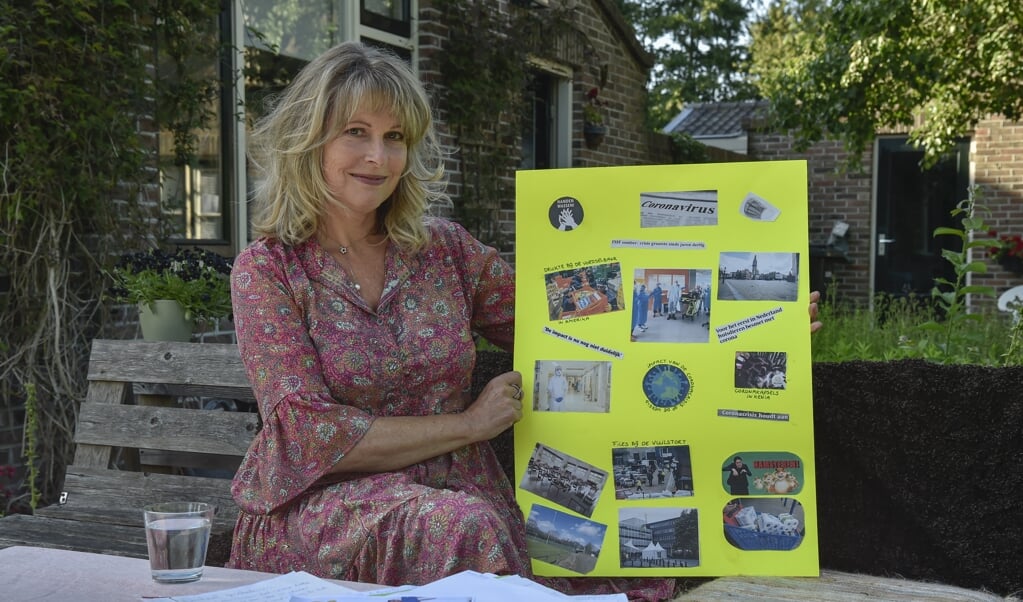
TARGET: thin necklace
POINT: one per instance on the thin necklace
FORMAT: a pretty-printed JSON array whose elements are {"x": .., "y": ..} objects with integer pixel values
[
  {"x": 353, "y": 276},
  {"x": 343, "y": 250}
]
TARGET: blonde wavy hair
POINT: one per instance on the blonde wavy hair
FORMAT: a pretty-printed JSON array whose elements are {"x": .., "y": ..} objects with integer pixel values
[{"x": 287, "y": 144}]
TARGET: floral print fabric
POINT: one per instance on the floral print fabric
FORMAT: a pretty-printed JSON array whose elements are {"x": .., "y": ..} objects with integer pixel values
[{"x": 323, "y": 366}]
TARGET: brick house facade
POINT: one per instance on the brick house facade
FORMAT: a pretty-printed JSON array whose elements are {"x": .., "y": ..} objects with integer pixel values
[
  {"x": 837, "y": 194},
  {"x": 996, "y": 166},
  {"x": 601, "y": 38}
]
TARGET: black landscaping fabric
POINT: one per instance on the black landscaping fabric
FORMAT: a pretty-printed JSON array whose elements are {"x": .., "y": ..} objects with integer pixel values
[{"x": 920, "y": 471}]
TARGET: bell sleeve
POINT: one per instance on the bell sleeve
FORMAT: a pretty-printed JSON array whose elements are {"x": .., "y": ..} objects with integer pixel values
[{"x": 305, "y": 431}]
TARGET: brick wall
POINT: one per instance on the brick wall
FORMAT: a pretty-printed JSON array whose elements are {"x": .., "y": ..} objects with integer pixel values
[
  {"x": 996, "y": 161},
  {"x": 997, "y": 165},
  {"x": 628, "y": 141},
  {"x": 834, "y": 194},
  {"x": 598, "y": 39}
]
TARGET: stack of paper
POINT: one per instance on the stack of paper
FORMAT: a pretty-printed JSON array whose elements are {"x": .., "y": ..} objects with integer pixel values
[{"x": 467, "y": 586}]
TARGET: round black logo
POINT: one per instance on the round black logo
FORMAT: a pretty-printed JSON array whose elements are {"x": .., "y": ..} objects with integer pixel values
[{"x": 566, "y": 214}]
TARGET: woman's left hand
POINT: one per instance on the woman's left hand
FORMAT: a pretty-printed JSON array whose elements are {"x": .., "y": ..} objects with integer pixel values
[
  {"x": 498, "y": 407},
  {"x": 815, "y": 324}
]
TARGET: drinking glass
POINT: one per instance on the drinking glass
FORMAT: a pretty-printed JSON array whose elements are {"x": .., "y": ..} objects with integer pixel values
[{"x": 177, "y": 534}]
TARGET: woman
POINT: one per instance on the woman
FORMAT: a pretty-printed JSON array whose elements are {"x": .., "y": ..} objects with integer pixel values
[
  {"x": 354, "y": 315},
  {"x": 738, "y": 477}
]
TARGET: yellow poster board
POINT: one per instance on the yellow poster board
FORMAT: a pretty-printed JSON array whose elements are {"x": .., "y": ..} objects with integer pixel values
[{"x": 663, "y": 339}]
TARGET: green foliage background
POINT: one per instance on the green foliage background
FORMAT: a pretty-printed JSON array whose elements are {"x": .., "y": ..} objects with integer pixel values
[
  {"x": 700, "y": 51},
  {"x": 77, "y": 96},
  {"x": 851, "y": 69}
]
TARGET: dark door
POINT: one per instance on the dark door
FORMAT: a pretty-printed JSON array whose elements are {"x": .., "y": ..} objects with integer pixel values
[
  {"x": 537, "y": 123},
  {"x": 911, "y": 203}
]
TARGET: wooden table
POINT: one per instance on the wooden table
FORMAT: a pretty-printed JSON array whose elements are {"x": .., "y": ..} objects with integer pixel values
[
  {"x": 29, "y": 574},
  {"x": 37, "y": 574}
]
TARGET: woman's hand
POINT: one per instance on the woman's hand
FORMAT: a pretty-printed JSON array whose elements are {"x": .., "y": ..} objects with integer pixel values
[
  {"x": 815, "y": 324},
  {"x": 498, "y": 407},
  {"x": 394, "y": 442}
]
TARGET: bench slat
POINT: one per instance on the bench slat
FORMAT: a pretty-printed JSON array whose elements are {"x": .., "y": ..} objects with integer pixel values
[
  {"x": 99, "y": 393},
  {"x": 205, "y": 462},
  {"x": 27, "y": 530},
  {"x": 117, "y": 497},
  {"x": 211, "y": 364},
  {"x": 172, "y": 429},
  {"x": 131, "y": 410},
  {"x": 167, "y": 389}
]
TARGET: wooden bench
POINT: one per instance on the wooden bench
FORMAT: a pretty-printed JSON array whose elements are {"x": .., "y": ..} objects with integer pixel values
[{"x": 136, "y": 446}]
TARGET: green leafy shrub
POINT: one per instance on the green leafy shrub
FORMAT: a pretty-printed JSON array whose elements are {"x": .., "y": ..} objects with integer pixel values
[
  {"x": 938, "y": 328},
  {"x": 893, "y": 328},
  {"x": 196, "y": 278},
  {"x": 82, "y": 87},
  {"x": 951, "y": 295}
]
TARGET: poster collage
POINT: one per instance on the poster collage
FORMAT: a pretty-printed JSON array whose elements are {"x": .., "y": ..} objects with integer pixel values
[{"x": 663, "y": 338}]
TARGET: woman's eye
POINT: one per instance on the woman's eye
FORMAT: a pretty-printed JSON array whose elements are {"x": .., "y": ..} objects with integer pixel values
[
  {"x": 354, "y": 131},
  {"x": 395, "y": 136}
]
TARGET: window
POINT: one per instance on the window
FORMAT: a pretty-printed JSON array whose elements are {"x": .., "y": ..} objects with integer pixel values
[
  {"x": 537, "y": 139},
  {"x": 191, "y": 196},
  {"x": 267, "y": 42}
]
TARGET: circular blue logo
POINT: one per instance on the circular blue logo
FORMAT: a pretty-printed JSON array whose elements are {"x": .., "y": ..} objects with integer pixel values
[{"x": 666, "y": 386}]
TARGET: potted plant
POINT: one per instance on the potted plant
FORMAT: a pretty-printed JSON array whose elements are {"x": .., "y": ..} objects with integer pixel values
[
  {"x": 594, "y": 128},
  {"x": 1007, "y": 250},
  {"x": 173, "y": 291}
]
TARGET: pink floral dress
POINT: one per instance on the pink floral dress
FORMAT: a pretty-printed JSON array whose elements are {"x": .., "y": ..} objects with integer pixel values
[{"x": 323, "y": 366}]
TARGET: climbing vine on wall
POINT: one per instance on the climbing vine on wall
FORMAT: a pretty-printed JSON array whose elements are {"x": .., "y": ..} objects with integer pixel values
[
  {"x": 484, "y": 67},
  {"x": 78, "y": 95}
]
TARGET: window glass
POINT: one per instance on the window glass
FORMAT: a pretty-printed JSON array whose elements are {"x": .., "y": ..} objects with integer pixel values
[
  {"x": 191, "y": 178},
  {"x": 403, "y": 53},
  {"x": 299, "y": 29},
  {"x": 282, "y": 36},
  {"x": 280, "y": 39},
  {"x": 393, "y": 16}
]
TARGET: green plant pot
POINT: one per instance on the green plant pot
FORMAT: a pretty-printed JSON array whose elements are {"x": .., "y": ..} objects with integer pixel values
[{"x": 165, "y": 321}]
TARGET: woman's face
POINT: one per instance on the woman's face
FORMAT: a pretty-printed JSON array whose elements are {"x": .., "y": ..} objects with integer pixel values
[{"x": 363, "y": 164}]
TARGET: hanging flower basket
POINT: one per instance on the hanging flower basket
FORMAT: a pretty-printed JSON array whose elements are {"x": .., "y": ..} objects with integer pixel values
[
  {"x": 594, "y": 128},
  {"x": 1011, "y": 263},
  {"x": 1007, "y": 250},
  {"x": 593, "y": 134}
]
